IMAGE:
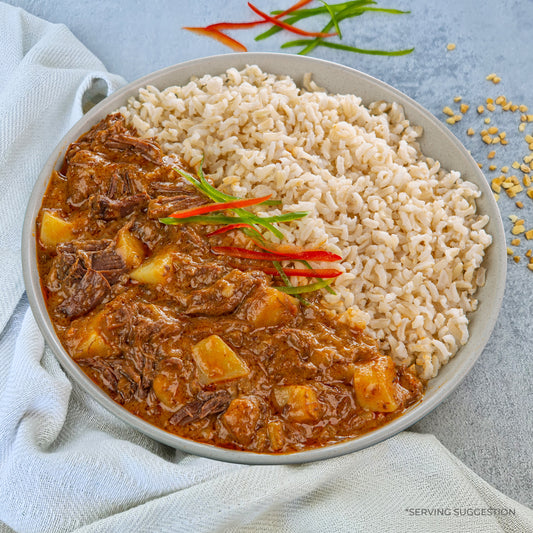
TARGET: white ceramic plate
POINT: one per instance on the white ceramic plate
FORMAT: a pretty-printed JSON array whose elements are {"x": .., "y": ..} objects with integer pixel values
[{"x": 437, "y": 142}]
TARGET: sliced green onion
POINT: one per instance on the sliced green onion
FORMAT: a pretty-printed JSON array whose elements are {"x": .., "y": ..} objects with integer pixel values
[
  {"x": 283, "y": 276},
  {"x": 245, "y": 216},
  {"x": 288, "y": 283},
  {"x": 339, "y": 46},
  {"x": 349, "y": 11},
  {"x": 328, "y": 288},
  {"x": 223, "y": 219},
  {"x": 302, "y": 289},
  {"x": 200, "y": 219},
  {"x": 333, "y": 18},
  {"x": 311, "y": 12}
]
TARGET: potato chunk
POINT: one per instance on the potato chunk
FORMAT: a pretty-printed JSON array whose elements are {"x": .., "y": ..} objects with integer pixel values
[
  {"x": 298, "y": 403},
  {"x": 155, "y": 270},
  {"x": 374, "y": 385},
  {"x": 167, "y": 384},
  {"x": 269, "y": 307},
  {"x": 276, "y": 435},
  {"x": 216, "y": 361},
  {"x": 130, "y": 248},
  {"x": 55, "y": 230},
  {"x": 92, "y": 342},
  {"x": 241, "y": 418}
]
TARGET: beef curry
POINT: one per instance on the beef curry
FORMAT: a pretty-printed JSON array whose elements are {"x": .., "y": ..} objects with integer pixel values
[{"x": 203, "y": 346}]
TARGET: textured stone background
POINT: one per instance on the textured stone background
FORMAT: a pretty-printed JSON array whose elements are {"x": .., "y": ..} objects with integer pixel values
[{"x": 488, "y": 420}]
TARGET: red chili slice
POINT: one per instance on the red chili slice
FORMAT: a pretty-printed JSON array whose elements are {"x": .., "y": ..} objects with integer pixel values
[
  {"x": 219, "y": 206},
  {"x": 230, "y": 227},
  {"x": 305, "y": 272},
  {"x": 234, "y": 25},
  {"x": 286, "y": 26},
  {"x": 304, "y": 255},
  {"x": 294, "y": 7},
  {"x": 218, "y": 36},
  {"x": 251, "y": 24}
]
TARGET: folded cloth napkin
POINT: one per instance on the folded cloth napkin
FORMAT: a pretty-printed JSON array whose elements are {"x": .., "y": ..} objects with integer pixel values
[{"x": 67, "y": 464}]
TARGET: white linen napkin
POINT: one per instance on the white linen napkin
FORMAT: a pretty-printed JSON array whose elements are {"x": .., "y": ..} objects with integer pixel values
[
  {"x": 67, "y": 464},
  {"x": 45, "y": 74}
]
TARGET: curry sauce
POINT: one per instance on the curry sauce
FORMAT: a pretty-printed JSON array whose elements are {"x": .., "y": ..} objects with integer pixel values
[{"x": 201, "y": 345}]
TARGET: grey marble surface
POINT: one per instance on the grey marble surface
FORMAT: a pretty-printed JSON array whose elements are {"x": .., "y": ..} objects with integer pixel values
[{"x": 488, "y": 420}]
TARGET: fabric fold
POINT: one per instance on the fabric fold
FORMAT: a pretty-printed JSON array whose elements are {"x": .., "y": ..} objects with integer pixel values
[{"x": 44, "y": 74}]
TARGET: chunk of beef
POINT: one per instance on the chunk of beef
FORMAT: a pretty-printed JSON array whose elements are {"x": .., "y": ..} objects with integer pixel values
[
  {"x": 206, "y": 405},
  {"x": 110, "y": 125},
  {"x": 108, "y": 263},
  {"x": 117, "y": 375},
  {"x": 225, "y": 295},
  {"x": 143, "y": 147},
  {"x": 120, "y": 184},
  {"x": 191, "y": 274},
  {"x": 84, "y": 271},
  {"x": 87, "y": 294},
  {"x": 99, "y": 255},
  {"x": 105, "y": 208},
  {"x": 171, "y": 188},
  {"x": 163, "y": 206},
  {"x": 85, "y": 179}
]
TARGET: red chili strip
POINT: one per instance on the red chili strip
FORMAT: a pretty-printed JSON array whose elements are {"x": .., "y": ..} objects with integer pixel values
[
  {"x": 286, "y": 26},
  {"x": 218, "y": 36},
  {"x": 242, "y": 25},
  {"x": 230, "y": 227},
  {"x": 294, "y": 7},
  {"x": 305, "y": 255},
  {"x": 326, "y": 256},
  {"x": 234, "y": 25},
  {"x": 219, "y": 206},
  {"x": 305, "y": 272}
]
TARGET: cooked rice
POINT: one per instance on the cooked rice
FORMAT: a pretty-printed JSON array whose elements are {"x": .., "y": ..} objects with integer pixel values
[{"x": 408, "y": 230}]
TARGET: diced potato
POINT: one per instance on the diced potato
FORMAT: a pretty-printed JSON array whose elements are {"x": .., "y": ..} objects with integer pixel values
[
  {"x": 167, "y": 389},
  {"x": 55, "y": 230},
  {"x": 155, "y": 270},
  {"x": 216, "y": 361},
  {"x": 276, "y": 435},
  {"x": 241, "y": 418},
  {"x": 299, "y": 403},
  {"x": 130, "y": 248},
  {"x": 269, "y": 307},
  {"x": 374, "y": 385},
  {"x": 92, "y": 343}
]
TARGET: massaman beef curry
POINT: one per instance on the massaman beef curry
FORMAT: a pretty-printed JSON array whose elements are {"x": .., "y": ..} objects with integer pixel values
[{"x": 201, "y": 345}]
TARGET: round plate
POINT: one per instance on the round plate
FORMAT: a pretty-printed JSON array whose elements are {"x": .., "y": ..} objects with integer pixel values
[{"x": 437, "y": 142}]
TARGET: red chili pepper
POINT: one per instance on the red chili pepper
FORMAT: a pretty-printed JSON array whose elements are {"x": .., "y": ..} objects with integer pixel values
[
  {"x": 305, "y": 272},
  {"x": 241, "y": 25},
  {"x": 230, "y": 227},
  {"x": 220, "y": 206},
  {"x": 305, "y": 255},
  {"x": 218, "y": 36},
  {"x": 286, "y": 26},
  {"x": 316, "y": 253},
  {"x": 234, "y": 25},
  {"x": 294, "y": 7}
]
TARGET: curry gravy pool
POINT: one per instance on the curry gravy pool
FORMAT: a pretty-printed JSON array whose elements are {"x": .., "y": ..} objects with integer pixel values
[{"x": 202, "y": 345}]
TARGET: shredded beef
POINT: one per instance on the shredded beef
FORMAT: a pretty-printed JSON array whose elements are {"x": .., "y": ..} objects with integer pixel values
[
  {"x": 88, "y": 293},
  {"x": 106, "y": 208},
  {"x": 225, "y": 295},
  {"x": 163, "y": 206},
  {"x": 147, "y": 149},
  {"x": 207, "y": 404}
]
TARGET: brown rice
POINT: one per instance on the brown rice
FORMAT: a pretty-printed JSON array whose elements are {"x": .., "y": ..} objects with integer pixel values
[{"x": 408, "y": 231}]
